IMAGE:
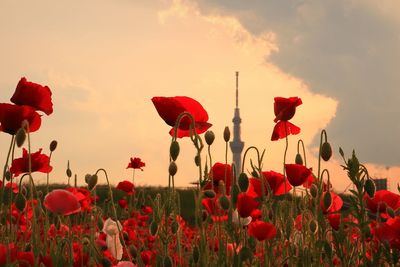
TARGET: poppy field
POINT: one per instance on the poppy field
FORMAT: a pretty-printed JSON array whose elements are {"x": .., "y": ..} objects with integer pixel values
[{"x": 286, "y": 217}]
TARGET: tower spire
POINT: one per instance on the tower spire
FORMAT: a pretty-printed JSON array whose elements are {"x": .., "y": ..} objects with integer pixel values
[{"x": 237, "y": 144}]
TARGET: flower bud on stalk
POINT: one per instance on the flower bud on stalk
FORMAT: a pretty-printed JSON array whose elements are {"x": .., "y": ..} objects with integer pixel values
[
  {"x": 227, "y": 134},
  {"x": 20, "y": 137},
  {"x": 326, "y": 151},
  {"x": 92, "y": 181},
  {"x": 370, "y": 188},
  {"x": 327, "y": 200},
  {"x": 224, "y": 202},
  {"x": 209, "y": 194},
  {"x": 53, "y": 145},
  {"x": 243, "y": 182},
  {"x": 313, "y": 226},
  {"x": 20, "y": 202},
  {"x": 209, "y": 137},
  {"x": 173, "y": 168},
  {"x": 298, "y": 159},
  {"x": 7, "y": 175},
  {"x": 167, "y": 262},
  {"x": 314, "y": 190},
  {"x": 174, "y": 150}
]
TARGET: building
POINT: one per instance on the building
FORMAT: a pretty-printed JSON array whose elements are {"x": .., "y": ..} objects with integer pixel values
[
  {"x": 237, "y": 144},
  {"x": 380, "y": 183}
]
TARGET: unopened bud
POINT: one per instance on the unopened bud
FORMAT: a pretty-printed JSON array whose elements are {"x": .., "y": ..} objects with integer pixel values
[
  {"x": 20, "y": 202},
  {"x": 209, "y": 194},
  {"x": 153, "y": 228},
  {"x": 224, "y": 202},
  {"x": 197, "y": 160},
  {"x": 327, "y": 200},
  {"x": 173, "y": 168},
  {"x": 106, "y": 262},
  {"x": 326, "y": 151},
  {"x": 7, "y": 175},
  {"x": 53, "y": 145},
  {"x": 314, "y": 190},
  {"x": 167, "y": 262},
  {"x": 243, "y": 182},
  {"x": 298, "y": 159},
  {"x": 20, "y": 137},
  {"x": 235, "y": 194},
  {"x": 227, "y": 134},
  {"x": 209, "y": 137},
  {"x": 92, "y": 181},
  {"x": 313, "y": 226},
  {"x": 174, "y": 150},
  {"x": 370, "y": 188}
]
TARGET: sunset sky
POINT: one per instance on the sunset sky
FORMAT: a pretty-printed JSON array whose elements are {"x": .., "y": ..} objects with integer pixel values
[{"x": 105, "y": 60}]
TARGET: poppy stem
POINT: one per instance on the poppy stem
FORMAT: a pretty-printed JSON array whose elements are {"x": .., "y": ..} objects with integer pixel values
[
  {"x": 5, "y": 167},
  {"x": 304, "y": 151},
  {"x": 284, "y": 155}
]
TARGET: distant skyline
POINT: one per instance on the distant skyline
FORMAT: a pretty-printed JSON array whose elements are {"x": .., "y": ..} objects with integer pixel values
[{"x": 105, "y": 60}]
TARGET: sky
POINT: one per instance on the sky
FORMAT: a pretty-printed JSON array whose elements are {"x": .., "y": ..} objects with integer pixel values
[{"x": 105, "y": 60}]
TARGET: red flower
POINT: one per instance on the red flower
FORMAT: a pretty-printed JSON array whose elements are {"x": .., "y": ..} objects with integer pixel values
[
  {"x": 334, "y": 220},
  {"x": 127, "y": 187},
  {"x": 217, "y": 174},
  {"x": 246, "y": 204},
  {"x": 336, "y": 204},
  {"x": 381, "y": 200},
  {"x": 297, "y": 174},
  {"x": 62, "y": 202},
  {"x": 169, "y": 108},
  {"x": 34, "y": 95},
  {"x": 285, "y": 108},
  {"x": 276, "y": 182},
  {"x": 83, "y": 196},
  {"x": 262, "y": 230},
  {"x": 136, "y": 163},
  {"x": 40, "y": 163},
  {"x": 123, "y": 203},
  {"x": 298, "y": 224},
  {"x": 25, "y": 259},
  {"x": 12, "y": 116}
]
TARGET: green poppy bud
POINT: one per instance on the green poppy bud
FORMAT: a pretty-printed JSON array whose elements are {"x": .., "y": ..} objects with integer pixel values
[
  {"x": 20, "y": 137},
  {"x": 174, "y": 150},
  {"x": 314, "y": 190},
  {"x": 173, "y": 168},
  {"x": 153, "y": 228},
  {"x": 370, "y": 188},
  {"x": 209, "y": 194},
  {"x": 92, "y": 181},
  {"x": 243, "y": 182},
  {"x": 20, "y": 202},
  {"x": 8, "y": 175},
  {"x": 53, "y": 145},
  {"x": 327, "y": 200},
  {"x": 167, "y": 262},
  {"x": 227, "y": 134},
  {"x": 326, "y": 151},
  {"x": 313, "y": 226},
  {"x": 209, "y": 137},
  {"x": 224, "y": 202},
  {"x": 197, "y": 160},
  {"x": 298, "y": 159},
  {"x": 235, "y": 194}
]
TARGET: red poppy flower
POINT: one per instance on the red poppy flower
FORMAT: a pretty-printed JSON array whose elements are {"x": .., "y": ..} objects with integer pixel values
[
  {"x": 136, "y": 163},
  {"x": 217, "y": 174},
  {"x": 297, "y": 174},
  {"x": 62, "y": 202},
  {"x": 246, "y": 204},
  {"x": 83, "y": 196},
  {"x": 127, "y": 187},
  {"x": 34, "y": 95},
  {"x": 336, "y": 204},
  {"x": 12, "y": 116},
  {"x": 169, "y": 109},
  {"x": 262, "y": 230},
  {"x": 298, "y": 224},
  {"x": 381, "y": 200},
  {"x": 276, "y": 182},
  {"x": 334, "y": 220},
  {"x": 40, "y": 163},
  {"x": 285, "y": 108},
  {"x": 25, "y": 259},
  {"x": 280, "y": 132},
  {"x": 123, "y": 203}
]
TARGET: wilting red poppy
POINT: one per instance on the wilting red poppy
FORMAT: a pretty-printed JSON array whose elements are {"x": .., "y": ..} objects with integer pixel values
[
  {"x": 62, "y": 202},
  {"x": 262, "y": 230},
  {"x": 297, "y": 174},
  {"x": 127, "y": 187},
  {"x": 336, "y": 204},
  {"x": 34, "y": 95},
  {"x": 40, "y": 163},
  {"x": 220, "y": 172},
  {"x": 381, "y": 200},
  {"x": 285, "y": 108},
  {"x": 280, "y": 131},
  {"x": 136, "y": 163},
  {"x": 169, "y": 109},
  {"x": 12, "y": 116},
  {"x": 246, "y": 204},
  {"x": 275, "y": 180}
]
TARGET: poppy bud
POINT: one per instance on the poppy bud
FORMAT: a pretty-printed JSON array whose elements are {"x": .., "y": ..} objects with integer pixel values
[
  {"x": 327, "y": 200},
  {"x": 227, "y": 134},
  {"x": 326, "y": 151},
  {"x": 106, "y": 262},
  {"x": 85, "y": 241},
  {"x": 196, "y": 254},
  {"x": 92, "y": 181},
  {"x": 243, "y": 182},
  {"x": 298, "y": 159},
  {"x": 209, "y": 137},
  {"x": 255, "y": 174},
  {"x": 167, "y": 261},
  {"x": 313, "y": 226},
  {"x": 153, "y": 228},
  {"x": 209, "y": 194},
  {"x": 390, "y": 212},
  {"x": 314, "y": 190},
  {"x": 87, "y": 178},
  {"x": 174, "y": 227},
  {"x": 224, "y": 202},
  {"x": 197, "y": 160},
  {"x": 69, "y": 173},
  {"x": 173, "y": 168},
  {"x": 20, "y": 137},
  {"x": 234, "y": 194},
  {"x": 174, "y": 150},
  {"x": 204, "y": 215},
  {"x": 7, "y": 175},
  {"x": 53, "y": 145},
  {"x": 370, "y": 188},
  {"x": 20, "y": 202},
  {"x": 245, "y": 254}
]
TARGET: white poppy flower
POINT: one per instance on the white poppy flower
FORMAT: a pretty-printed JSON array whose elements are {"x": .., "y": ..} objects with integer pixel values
[
  {"x": 243, "y": 221},
  {"x": 113, "y": 242}
]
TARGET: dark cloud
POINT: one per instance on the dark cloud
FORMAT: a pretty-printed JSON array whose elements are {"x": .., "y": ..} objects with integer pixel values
[{"x": 343, "y": 49}]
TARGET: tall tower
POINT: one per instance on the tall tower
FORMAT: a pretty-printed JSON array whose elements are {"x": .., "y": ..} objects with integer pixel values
[{"x": 237, "y": 144}]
